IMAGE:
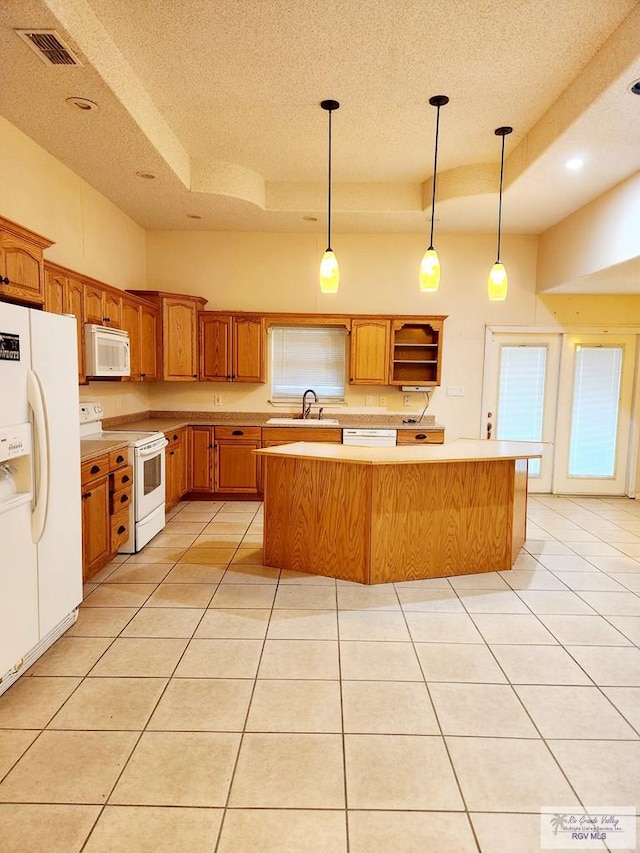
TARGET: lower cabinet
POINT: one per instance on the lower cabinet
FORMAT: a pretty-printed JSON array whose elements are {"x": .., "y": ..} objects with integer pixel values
[
  {"x": 201, "y": 459},
  {"x": 176, "y": 456},
  {"x": 237, "y": 468},
  {"x": 106, "y": 496},
  {"x": 424, "y": 436}
]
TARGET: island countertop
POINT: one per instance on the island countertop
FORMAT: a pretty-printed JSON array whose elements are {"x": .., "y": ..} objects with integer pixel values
[{"x": 461, "y": 450}]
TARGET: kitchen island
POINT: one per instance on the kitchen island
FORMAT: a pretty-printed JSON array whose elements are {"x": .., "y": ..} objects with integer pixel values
[{"x": 382, "y": 514}]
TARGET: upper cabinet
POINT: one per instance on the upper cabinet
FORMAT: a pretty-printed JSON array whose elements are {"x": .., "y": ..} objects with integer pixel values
[
  {"x": 369, "y": 351},
  {"x": 231, "y": 347},
  {"x": 21, "y": 263},
  {"x": 178, "y": 335},
  {"x": 416, "y": 350},
  {"x": 140, "y": 320},
  {"x": 102, "y": 305},
  {"x": 63, "y": 294}
]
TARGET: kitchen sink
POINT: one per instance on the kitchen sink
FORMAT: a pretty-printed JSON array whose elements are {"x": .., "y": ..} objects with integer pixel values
[{"x": 307, "y": 422}]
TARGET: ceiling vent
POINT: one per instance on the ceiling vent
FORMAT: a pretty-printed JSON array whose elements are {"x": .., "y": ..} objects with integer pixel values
[{"x": 48, "y": 45}]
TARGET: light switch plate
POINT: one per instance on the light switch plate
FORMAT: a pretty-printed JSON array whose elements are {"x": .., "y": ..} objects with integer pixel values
[{"x": 455, "y": 391}]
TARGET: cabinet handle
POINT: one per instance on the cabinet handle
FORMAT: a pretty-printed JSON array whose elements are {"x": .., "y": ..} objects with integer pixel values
[
  {"x": 171, "y": 452},
  {"x": 175, "y": 437},
  {"x": 95, "y": 469},
  {"x": 142, "y": 375},
  {"x": 121, "y": 529},
  {"x": 86, "y": 495},
  {"x": 237, "y": 432},
  {"x": 120, "y": 459},
  {"x": 125, "y": 479},
  {"x": 195, "y": 375},
  {"x": 124, "y": 499},
  {"x": 4, "y": 280},
  {"x": 106, "y": 319},
  {"x": 420, "y": 436}
]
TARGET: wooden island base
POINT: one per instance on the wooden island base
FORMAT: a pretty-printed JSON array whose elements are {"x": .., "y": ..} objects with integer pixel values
[{"x": 376, "y": 515}]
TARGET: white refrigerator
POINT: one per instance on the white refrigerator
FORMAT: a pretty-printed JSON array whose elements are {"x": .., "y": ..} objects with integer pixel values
[{"x": 40, "y": 503}]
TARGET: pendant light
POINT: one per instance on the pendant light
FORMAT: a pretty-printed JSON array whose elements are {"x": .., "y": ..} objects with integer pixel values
[
  {"x": 430, "y": 265},
  {"x": 329, "y": 271},
  {"x": 498, "y": 283}
]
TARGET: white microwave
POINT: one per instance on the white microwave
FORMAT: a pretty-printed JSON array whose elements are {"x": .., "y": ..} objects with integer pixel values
[{"x": 107, "y": 351}]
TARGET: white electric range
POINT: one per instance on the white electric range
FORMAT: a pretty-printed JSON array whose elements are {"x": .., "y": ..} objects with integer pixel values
[{"x": 147, "y": 458}]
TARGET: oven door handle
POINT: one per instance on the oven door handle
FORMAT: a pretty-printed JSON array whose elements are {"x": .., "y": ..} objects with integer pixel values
[{"x": 144, "y": 454}]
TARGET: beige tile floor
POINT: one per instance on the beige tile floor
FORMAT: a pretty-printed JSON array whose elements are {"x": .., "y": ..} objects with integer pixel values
[{"x": 204, "y": 703}]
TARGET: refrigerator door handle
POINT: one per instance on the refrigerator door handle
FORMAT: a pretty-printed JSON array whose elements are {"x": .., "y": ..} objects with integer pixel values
[{"x": 41, "y": 456}]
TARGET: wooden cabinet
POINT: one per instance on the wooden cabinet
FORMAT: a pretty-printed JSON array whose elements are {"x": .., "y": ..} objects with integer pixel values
[
  {"x": 272, "y": 436},
  {"x": 96, "y": 528},
  {"x": 420, "y": 436},
  {"x": 237, "y": 468},
  {"x": 175, "y": 467},
  {"x": 178, "y": 333},
  {"x": 149, "y": 362},
  {"x": 63, "y": 294},
  {"x": 21, "y": 263},
  {"x": 231, "y": 347},
  {"x": 369, "y": 351},
  {"x": 201, "y": 459},
  {"x": 416, "y": 351},
  {"x": 102, "y": 305},
  {"x": 131, "y": 324}
]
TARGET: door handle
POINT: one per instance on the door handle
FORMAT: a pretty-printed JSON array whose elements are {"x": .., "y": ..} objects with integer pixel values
[{"x": 489, "y": 428}]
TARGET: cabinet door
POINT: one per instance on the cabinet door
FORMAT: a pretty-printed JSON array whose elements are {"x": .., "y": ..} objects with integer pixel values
[
  {"x": 369, "y": 352},
  {"x": 237, "y": 467},
  {"x": 54, "y": 288},
  {"x": 148, "y": 343},
  {"x": 248, "y": 349},
  {"x": 73, "y": 304},
  {"x": 201, "y": 459},
  {"x": 21, "y": 263},
  {"x": 181, "y": 459},
  {"x": 131, "y": 324},
  {"x": 94, "y": 307},
  {"x": 112, "y": 309},
  {"x": 215, "y": 347},
  {"x": 96, "y": 527},
  {"x": 180, "y": 339}
]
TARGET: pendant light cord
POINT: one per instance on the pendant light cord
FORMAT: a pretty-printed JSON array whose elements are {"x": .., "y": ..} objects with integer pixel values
[
  {"x": 500, "y": 200},
  {"x": 329, "y": 249},
  {"x": 435, "y": 173}
]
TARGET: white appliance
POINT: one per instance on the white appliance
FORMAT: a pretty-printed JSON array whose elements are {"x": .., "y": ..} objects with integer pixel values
[
  {"x": 146, "y": 455},
  {"x": 107, "y": 351},
  {"x": 370, "y": 437},
  {"x": 40, "y": 512}
]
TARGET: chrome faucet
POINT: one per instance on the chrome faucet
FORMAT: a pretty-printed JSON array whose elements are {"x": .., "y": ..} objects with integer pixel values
[{"x": 306, "y": 407}]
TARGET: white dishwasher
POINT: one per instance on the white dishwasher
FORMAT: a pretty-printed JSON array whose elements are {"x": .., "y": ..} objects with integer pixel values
[{"x": 370, "y": 437}]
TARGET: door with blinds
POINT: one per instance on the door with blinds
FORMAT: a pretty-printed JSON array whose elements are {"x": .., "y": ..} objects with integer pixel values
[
  {"x": 594, "y": 414},
  {"x": 520, "y": 393}
]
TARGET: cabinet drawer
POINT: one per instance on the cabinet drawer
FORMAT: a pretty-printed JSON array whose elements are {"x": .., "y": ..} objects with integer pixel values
[
  {"x": 118, "y": 458},
  {"x": 242, "y": 433},
  {"x": 96, "y": 467},
  {"x": 119, "y": 529},
  {"x": 175, "y": 436},
  {"x": 119, "y": 500},
  {"x": 287, "y": 435},
  {"x": 432, "y": 436},
  {"x": 122, "y": 478}
]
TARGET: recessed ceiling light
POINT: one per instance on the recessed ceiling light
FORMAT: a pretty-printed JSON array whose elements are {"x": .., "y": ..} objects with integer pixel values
[
  {"x": 310, "y": 218},
  {"x": 149, "y": 176},
  {"x": 193, "y": 216},
  {"x": 574, "y": 164},
  {"x": 82, "y": 104},
  {"x": 635, "y": 87}
]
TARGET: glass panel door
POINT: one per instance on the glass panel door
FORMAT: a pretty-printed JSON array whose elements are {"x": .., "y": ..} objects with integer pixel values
[
  {"x": 519, "y": 395},
  {"x": 594, "y": 414}
]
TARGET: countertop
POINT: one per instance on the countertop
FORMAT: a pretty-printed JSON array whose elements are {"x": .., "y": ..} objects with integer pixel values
[
  {"x": 90, "y": 448},
  {"x": 167, "y": 421},
  {"x": 461, "y": 450}
]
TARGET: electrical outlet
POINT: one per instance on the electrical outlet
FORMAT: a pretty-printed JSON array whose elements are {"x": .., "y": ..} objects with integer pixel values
[
  {"x": 455, "y": 391},
  {"x": 217, "y": 399},
  {"x": 119, "y": 403},
  {"x": 406, "y": 401},
  {"x": 382, "y": 399},
  {"x": 368, "y": 400}
]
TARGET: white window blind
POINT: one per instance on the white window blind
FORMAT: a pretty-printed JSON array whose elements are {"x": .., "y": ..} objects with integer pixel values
[
  {"x": 521, "y": 396},
  {"x": 594, "y": 413},
  {"x": 307, "y": 357}
]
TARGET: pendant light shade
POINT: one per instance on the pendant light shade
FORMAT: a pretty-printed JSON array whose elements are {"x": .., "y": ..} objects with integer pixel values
[
  {"x": 430, "y": 265},
  {"x": 329, "y": 271},
  {"x": 498, "y": 283}
]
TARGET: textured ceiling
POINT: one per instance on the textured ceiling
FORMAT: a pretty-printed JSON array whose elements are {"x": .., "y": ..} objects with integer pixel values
[{"x": 220, "y": 100}]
